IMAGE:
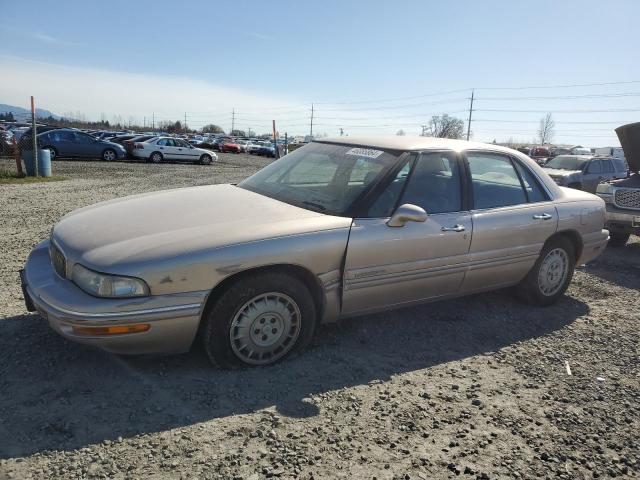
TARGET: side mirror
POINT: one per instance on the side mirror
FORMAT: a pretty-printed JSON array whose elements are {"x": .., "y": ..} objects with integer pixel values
[{"x": 407, "y": 213}]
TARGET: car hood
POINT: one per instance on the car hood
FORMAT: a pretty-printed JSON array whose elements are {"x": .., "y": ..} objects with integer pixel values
[
  {"x": 164, "y": 225},
  {"x": 629, "y": 136},
  {"x": 558, "y": 172}
]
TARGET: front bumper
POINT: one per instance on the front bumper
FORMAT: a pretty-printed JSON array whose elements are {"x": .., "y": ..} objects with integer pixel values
[
  {"x": 173, "y": 319},
  {"x": 622, "y": 220}
]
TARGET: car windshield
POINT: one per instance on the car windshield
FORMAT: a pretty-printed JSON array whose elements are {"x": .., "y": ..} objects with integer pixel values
[
  {"x": 566, "y": 162},
  {"x": 325, "y": 178}
]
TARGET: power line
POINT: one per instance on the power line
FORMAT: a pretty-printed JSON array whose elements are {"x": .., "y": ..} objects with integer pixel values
[
  {"x": 560, "y": 111},
  {"x": 568, "y": 97}
]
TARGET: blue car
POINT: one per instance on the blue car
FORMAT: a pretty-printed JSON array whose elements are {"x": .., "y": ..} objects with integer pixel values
[{"x": 67, "y": 142}]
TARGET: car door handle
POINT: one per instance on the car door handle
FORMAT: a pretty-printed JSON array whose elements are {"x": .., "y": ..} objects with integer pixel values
[
  {"x": 455, "y": 228},
  {"x": 542, "y": 216}
]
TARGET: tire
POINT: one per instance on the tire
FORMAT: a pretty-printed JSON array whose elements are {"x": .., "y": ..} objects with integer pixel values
[
  {"x": 549, "y": 278},
  {"x": 109, "y": 155},
  {"x": 267, "y": 299},
  {"x": 618, "y": 239},
  {"x": 52, "y": 152},
  {"x": 156, "y": 157},
  {"x": 205, "y": 159}
]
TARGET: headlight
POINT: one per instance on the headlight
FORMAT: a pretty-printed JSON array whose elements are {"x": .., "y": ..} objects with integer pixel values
[
  {"x": 605, "y": 189},
  {"x": 110, "y": 286}
]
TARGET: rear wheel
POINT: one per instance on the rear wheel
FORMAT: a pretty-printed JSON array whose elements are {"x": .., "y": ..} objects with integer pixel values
[
  {"x": 549, "y": 278},
  {"x": 618, "y": 239},
  {"x": 259, "y": 320},
  {"x": 52, "y": 152},
  {"x": 155, "y": 157},
  {"x": 109, "y": 155}
]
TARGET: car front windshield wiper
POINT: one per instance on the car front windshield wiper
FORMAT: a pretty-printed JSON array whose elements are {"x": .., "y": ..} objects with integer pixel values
[{"x": 314, "y": 206}]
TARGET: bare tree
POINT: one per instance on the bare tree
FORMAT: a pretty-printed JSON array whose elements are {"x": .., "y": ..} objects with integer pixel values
[
  {"x": 400, "y": 132},
  {"x": 445, "y": 126},
  {"x": 546, "y": 130}
]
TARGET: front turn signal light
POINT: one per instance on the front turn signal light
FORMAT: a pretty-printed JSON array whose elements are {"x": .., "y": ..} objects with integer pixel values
[{"x": 113, "y": 330}]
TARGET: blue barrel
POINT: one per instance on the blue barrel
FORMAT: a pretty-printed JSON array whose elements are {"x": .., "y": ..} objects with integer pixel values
[{"x": 44, "y": 163}]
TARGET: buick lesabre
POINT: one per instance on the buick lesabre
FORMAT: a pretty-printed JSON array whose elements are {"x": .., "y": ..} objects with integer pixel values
[{"x": 338, "y": 228}]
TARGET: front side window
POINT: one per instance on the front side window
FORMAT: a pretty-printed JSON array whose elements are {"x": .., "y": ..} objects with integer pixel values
[
  {"x": 323, "y": 177},
  {"x": 434, "y": 183},
  {"x": 494, "y": 181},
  {"x": 607, "y": 166},
  {"x": 566, "y": 162},
  {"x": 595, "y": 167}
]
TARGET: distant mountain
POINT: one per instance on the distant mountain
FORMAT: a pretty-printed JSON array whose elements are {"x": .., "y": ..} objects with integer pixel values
[{"x": 23, "y": 114}]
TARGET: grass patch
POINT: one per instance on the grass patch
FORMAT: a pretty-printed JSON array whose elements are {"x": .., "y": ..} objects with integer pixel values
[{"x": 14, "y": 178}]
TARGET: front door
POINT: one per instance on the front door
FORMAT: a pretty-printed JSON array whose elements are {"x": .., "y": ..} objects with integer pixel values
[
  {"x": 388, "y": 266},
  {"x": 593, "y": 176},
  {"x": 512, "y": 219}
]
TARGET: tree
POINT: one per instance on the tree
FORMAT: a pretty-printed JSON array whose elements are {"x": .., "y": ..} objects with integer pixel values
[
  {"x": 237, "y": 133},
  {"x": 400, "y": 133},
  {"x": 211, "y": 128},
  {"x": 7, "y": 117},
  {"x": 546, "y": 131},
  {"x": 444, "y": 126}
]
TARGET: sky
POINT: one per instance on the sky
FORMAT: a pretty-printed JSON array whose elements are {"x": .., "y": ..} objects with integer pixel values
[{"x": 368, "y": 67}]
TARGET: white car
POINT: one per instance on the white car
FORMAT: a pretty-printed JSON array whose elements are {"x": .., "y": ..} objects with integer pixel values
[{"x": 159, "y": 149}]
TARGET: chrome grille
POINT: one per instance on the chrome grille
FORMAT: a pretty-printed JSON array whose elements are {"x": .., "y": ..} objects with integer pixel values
[
  {"x": 58, "y": 261},
  {"x": 627, "y": 198}
]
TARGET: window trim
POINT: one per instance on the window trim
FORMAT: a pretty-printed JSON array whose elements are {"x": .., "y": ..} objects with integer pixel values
[{"x": 512, "y": 159}]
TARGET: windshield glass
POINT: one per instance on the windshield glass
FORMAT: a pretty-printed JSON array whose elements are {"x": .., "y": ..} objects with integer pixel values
[
  {"x": 322, "y": 177},
  {"x": 566, "y": 162}
]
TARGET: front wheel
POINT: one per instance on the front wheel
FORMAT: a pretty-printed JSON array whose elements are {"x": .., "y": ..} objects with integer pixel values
[
  {"x": 205, "y": 159},
  {"x": 258, "y": 321},
  {"x": 549, "y": 278},
  {"x": 109, "y": 155}
]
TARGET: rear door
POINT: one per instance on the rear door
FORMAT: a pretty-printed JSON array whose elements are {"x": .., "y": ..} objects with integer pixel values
[
  {"x": 388, "y": 266},
  {"x": 512, "y": 218}
]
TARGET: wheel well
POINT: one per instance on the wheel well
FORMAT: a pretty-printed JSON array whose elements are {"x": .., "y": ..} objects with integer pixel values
[
  {"x": 305, "y": 276},
  {"x": 575, "y": 239}
]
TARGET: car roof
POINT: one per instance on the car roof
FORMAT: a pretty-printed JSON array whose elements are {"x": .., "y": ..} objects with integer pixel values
[{"x": 405, "y": 143}]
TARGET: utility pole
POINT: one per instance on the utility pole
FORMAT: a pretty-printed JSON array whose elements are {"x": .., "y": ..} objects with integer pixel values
[
  {"x": 185, "y": 122},
  {"x": 311, "y": 130},
  {"x": 153, "y": 125},
  {"x": 470, "y": 111},
  {"x": 233, "y": 121}
]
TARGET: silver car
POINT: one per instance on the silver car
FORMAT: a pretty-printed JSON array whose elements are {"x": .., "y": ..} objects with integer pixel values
[{"x": 339, "y": 227}]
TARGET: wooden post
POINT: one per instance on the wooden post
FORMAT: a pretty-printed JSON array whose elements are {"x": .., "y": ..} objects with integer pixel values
[{"x": 16, "y": 155}]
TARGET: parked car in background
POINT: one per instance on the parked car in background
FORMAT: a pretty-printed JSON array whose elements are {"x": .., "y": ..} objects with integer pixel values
[
  {"x": 230, "y": 146},
  {"x": 266, "y": 149},
  {"x": 218, "y": 141},
  {"x": 128, "y": 144},
  {"x": 340, "y": 227},
  {"x": 584, "y": 172},
  {"x": 539, "y": 154},
  {"x": 162, "y": 149},
  {"x": 253, "y": 146},
  {"x": 622, "y": 196},
  {"x": 67, "y": 142}
]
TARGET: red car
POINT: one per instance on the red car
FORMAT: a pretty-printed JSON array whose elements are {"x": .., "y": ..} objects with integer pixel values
[{"x": 230, "y": 146}]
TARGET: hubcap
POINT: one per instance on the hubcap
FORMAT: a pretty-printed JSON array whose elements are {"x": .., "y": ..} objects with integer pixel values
[
  {"x": 265, "y": 328},
  {"x": 109, "y": 155},
  {"x": 156, "y": 157},
  {"x": 52, "y": 153},
  {"x": 553, "y": 272}
]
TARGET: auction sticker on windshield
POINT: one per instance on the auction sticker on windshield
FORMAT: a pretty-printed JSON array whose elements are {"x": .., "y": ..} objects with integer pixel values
[{"x": 365, "y": 152}]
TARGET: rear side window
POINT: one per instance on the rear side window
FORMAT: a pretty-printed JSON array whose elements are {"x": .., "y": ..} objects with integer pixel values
[
  {"x": 535, "y": 192},
  {"x": 607, "y": 166},
  {"x": 494, "y": 180}
]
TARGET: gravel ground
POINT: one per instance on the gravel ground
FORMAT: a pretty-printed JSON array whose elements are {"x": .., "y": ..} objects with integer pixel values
[{"x": 469, "y": 388}]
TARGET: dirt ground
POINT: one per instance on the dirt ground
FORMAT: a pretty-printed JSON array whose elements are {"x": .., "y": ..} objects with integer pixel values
[{"x": 471, "y": 388}]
